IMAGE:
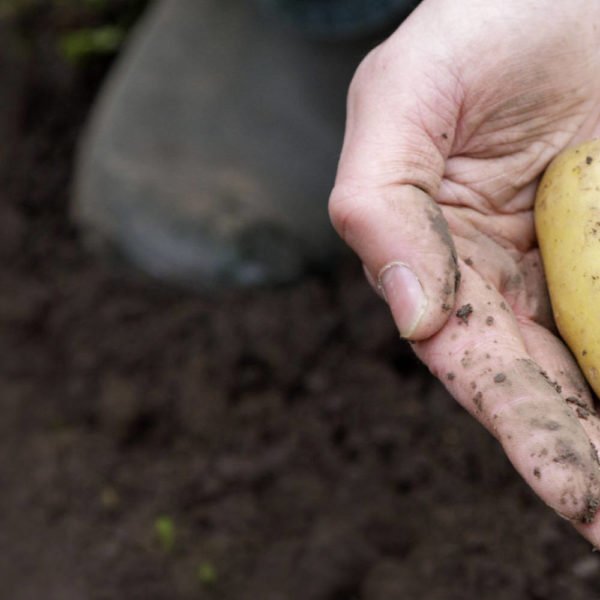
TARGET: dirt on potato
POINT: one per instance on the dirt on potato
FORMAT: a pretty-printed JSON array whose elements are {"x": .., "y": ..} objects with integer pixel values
[{"x": 269, "y": 445}]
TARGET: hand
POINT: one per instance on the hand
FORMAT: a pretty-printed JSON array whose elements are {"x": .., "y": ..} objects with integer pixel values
[{"x": 450, "y": 124}]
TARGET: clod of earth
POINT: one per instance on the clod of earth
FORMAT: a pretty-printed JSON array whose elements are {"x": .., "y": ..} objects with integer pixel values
[{"x": 464, "y": 312}]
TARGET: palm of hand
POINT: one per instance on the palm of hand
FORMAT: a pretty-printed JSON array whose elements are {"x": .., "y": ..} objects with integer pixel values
[{"x": 498, "y": 354}]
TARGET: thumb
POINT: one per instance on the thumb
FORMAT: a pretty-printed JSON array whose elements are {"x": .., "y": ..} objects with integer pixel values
[{"x": 391, "y": 166}]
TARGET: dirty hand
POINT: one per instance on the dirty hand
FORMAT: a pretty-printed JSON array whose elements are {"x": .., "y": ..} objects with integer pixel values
[{"x": 450, "y": 124}]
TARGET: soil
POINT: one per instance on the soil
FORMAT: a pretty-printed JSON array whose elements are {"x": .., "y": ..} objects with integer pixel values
[{"x": 271, "y": 445}]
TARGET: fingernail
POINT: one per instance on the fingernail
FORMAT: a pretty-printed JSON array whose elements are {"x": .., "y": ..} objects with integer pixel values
[{"x": 405, "y": 296}]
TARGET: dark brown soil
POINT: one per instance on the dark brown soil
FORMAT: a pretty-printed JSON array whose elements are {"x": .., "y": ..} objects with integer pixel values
[{"x": 285, "y": 442}]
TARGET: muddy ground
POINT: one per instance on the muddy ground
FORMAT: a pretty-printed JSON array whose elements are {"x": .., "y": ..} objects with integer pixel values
[{"x": 274, "y": 445}]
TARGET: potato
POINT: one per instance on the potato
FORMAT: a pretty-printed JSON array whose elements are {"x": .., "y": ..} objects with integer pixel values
[{"x": 567, "y": 221}]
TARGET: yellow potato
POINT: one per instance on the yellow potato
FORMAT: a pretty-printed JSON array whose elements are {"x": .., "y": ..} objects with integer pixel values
[{"x": 567, "y": 221}]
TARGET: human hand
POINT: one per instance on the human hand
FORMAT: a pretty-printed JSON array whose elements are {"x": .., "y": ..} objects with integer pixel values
[{"x": 450, "y": 124}]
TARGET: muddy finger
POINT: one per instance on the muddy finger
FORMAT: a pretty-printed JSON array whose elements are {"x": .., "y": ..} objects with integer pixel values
[{"x": 483, "y": 360}]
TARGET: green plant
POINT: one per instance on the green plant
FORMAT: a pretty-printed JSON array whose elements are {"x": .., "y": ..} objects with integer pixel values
[
  {"x": 164, "y": 529},
  {"x": 207, "y": 574},
  {"x": 81, "y": 44}
]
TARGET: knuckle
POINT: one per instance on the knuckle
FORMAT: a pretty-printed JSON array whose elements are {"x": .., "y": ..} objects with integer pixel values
[
  {"x": 356, "y": 84},
  {"x": 370, "y": 69},
  {"x": 347, "y": 213}
]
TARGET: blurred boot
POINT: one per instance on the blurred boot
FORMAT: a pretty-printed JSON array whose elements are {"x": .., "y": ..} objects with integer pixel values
[
  {"x": 340, "y": 19},
  {"x": 212, "y": 149}
]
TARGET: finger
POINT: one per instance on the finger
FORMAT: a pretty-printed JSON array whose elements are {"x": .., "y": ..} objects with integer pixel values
[
  {"x": 564, "y": 373},
  {"x": 390, "y": 168},
  {"x": 482, "y": 358},
  {"x": 482, "y": 242},
  {"x": 560, "y": 366}
]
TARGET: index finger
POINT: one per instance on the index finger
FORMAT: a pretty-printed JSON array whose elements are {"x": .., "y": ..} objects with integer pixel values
[{"x": 482, "y": 358}]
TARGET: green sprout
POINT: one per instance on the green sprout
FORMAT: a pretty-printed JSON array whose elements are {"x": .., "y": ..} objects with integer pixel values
[
  {"x": 84, "y": 43},
  {"x": 164, "y": 528},
  {"x": 207, "y": 574}
]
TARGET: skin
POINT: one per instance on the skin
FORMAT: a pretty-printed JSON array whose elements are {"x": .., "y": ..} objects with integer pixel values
[{"x": 451, "y": 122}]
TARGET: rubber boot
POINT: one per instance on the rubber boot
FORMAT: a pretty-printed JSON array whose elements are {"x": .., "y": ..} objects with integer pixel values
[{"x": 212, "y": 149}]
